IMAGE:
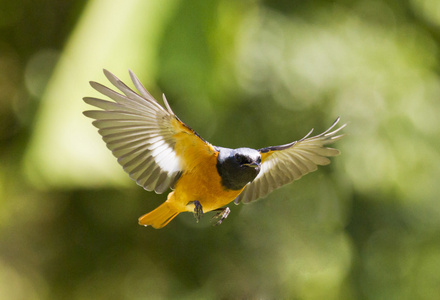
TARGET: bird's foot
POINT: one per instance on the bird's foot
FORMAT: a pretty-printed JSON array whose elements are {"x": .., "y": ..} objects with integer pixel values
[
  {"x": 222, "y": 214},
  {"x": 198, "y": 210}
]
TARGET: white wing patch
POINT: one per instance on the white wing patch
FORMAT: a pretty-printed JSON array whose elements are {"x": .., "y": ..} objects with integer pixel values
[{"x": 138, "y": 131}]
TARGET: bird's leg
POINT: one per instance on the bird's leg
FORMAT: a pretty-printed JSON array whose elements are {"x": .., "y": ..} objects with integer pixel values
[
  {"x": 221, "y": 215},
  {"x": 198, "y": 210}
]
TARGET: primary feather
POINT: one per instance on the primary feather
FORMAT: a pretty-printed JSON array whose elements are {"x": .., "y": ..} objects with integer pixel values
[
  {"x": 286, "y": 163},
  {"x": 139, "y": 132}
]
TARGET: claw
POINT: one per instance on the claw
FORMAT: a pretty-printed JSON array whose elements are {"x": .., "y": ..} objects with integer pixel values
[
  {"x": 220, "y": 216},
  {"x": 198, "y": 210}
]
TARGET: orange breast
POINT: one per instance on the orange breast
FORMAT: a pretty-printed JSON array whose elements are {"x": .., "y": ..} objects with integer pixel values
[
  {"x": 203, "y": 183},
  {"x": 200, "y": 180}
]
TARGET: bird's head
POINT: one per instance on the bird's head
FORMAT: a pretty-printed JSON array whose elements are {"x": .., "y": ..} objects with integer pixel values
[{"x": 238, "y": 167}]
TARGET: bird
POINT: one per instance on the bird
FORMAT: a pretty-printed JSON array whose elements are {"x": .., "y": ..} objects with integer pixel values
[{"x": 160, "y": 153}]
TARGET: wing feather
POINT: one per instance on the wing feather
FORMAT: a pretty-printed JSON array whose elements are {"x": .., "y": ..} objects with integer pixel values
[
  {"x": 286, "y": 163},
  {"x": 142, "y": 134}
]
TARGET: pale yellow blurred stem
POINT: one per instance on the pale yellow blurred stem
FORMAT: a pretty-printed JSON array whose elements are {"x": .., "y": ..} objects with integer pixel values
[{"x": 65, "y": 149}]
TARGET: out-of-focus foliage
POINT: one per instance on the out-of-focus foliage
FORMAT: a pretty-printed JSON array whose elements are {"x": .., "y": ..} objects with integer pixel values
[{"x": 241, "y": 73}]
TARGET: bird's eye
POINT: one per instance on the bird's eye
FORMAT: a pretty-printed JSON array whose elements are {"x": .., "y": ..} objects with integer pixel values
[{"x": 238, "y": 157}]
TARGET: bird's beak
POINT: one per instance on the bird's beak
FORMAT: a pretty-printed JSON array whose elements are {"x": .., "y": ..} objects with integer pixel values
[{"x": 252, "y": 165}]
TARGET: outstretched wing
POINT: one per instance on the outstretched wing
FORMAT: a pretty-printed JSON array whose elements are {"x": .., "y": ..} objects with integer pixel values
[
  {"x": 286, "y": 163},
  {"x": 148, "y": 140}
]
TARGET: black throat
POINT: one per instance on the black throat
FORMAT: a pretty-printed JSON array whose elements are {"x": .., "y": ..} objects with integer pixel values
[{"x": 234, "y": 173}]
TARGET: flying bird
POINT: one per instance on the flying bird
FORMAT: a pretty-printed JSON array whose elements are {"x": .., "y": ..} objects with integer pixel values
[{"x": 160, "y": 152}]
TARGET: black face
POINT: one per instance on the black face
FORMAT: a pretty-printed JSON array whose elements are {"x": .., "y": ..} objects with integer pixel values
[{"x": 238, "y": 167}]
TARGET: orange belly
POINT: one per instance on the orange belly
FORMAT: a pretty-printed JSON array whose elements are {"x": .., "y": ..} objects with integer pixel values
[
  {"x": 202, "y": 183},
  {"x": 200, "y": 180}
]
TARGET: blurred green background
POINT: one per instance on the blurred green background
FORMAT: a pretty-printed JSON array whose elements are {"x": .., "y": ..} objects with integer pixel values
[{"x": 241, "y": 73}]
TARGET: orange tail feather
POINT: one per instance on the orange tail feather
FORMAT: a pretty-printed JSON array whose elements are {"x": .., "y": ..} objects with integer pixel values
[{"x": 159, "y": 217}]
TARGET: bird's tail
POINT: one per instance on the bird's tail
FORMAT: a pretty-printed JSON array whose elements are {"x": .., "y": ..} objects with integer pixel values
[{"x": 159, "y": 217}]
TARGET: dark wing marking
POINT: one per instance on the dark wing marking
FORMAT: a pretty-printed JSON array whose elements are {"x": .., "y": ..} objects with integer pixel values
[
  {"x": 286, "y": 163},
  {"x": 142, "y": 134}
]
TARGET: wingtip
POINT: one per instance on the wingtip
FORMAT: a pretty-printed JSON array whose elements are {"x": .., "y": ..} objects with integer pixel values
[
  {"x": 329, "y": 131},
  {"x": 87, "y": 114},
  {"x": 343, "y": 125},
  {"x": 110, "y": 76},
  {"x": 307, "y": 135},
  {"x": 337, "y": 121},
  {"x": 167, "y": 105},
  {"x": 96, "y": 85},
  {"x": 106, "y": 73},
  {"x": 136, "y": 81}
]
